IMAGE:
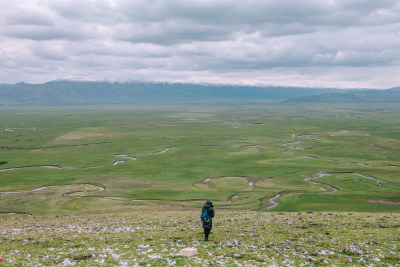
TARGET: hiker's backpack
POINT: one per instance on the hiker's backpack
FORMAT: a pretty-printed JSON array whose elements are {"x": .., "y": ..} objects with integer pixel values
[{"x": 204, "y": 215}]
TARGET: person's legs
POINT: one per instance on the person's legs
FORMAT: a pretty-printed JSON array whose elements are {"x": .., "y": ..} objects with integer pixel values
[{"x": 206, "y": 233}]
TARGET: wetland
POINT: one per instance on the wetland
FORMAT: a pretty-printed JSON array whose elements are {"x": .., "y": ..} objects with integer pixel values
[{"x": 246, "y": 156}]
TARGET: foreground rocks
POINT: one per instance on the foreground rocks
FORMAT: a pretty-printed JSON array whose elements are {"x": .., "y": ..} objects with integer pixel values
[
  {"x": 188, "y": 252},
  {"x": 150, "y": 236}
]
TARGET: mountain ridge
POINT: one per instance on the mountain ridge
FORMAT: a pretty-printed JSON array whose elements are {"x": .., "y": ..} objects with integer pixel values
[
  {"x": 84, "y": 92},
  {"x": 391, "y": 95},
  {"x": 66, "y": 92}
]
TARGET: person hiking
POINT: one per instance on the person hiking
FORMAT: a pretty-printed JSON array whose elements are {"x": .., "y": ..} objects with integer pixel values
[{"x": 207, "y": 218}]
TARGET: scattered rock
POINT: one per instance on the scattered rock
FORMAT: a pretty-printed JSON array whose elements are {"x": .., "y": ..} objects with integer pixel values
[
  {"x": 82, "y": 257},
  {"x": 68, "y": 262},
  {"x": 188, "y": 252}
]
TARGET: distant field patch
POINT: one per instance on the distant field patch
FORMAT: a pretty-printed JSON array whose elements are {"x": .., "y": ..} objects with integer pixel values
[{"x": 88, "y": 133}]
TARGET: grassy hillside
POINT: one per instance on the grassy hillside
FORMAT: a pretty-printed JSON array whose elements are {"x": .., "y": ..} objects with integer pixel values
[
  {"x": 368, "y": 96},
  {"x": 99, "y": 93},
  {"x": 244, "y": 156},
  {"x": 141, "y": 236}
]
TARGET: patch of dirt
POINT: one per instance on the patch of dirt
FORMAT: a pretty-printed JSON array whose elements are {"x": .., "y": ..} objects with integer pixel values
[
  {"x": 87, "y": 133},
  {"x": 380, "y": 201},
  {"x": 78, "y": 136}
]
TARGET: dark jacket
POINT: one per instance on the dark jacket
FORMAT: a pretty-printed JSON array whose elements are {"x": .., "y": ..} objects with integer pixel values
[{"x": 210, "y": 210}]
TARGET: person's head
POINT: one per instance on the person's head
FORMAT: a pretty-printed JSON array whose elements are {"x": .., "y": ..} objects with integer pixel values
[{"x": 208, "y": 201}]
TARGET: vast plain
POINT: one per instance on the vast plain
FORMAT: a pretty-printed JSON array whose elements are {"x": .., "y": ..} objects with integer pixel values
[
  {"x": 242, "y": 156},
  {"x": 296, "y": 166}
]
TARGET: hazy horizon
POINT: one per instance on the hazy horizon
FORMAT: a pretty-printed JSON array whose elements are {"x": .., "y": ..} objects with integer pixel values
[{"x": 205, "y": 83}]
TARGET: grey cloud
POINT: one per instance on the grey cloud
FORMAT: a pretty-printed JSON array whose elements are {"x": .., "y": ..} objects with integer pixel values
[
  {"x": 99, "y": 11},
  {"x": 40, "y": 33},
  {"x": 169, "y": 33},
  {"x": 274, "y": 30},
  {"x": 367, "y": 5},
  {"x": 107, "y": 62},
  {"x": 238, "y": 12},
  {"x": 118, "y": 49},
  {"x": 17, "y": 57},
  {"x": 158, "y": 10},
  {"x": 250, "y": 56},
  {"x": 336, "y": 12},
  {"x": 224, "y": 40},
  {"x": 177, "y": 21},
  {"x": 27, "y": 17},
  {"x": 50, "y": 51},
  {"x": 362, "y": 59}
]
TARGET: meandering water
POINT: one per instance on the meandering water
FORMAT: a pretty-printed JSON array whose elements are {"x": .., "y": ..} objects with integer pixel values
[
  {"x": 265, "y": 203},
  {"x": 95, "y": 188},
  {"x": 99, "y": 188},
  {"x": 124, "y": 156},
  {"x": 332, "y": 189}
]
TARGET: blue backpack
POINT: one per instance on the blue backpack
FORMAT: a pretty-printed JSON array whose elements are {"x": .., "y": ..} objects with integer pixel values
[{"x": 204, "y": 215}]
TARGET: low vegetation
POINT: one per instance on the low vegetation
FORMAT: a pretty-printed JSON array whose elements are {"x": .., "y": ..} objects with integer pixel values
[
  {"x": 248, "y": 157},
  {"x": 117, "y": 185},
  {"x": 152, "y": 236}
]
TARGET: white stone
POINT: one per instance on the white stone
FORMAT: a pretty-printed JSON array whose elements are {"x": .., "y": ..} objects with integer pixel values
[
  {"x": 67, "y": 262},
  {"x": 188, "y": 252}
]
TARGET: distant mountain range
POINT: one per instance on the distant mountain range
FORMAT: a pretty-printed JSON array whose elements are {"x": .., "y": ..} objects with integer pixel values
[
  {"x": 365, "y": 96},
  {"x": 98, "y": 93}
]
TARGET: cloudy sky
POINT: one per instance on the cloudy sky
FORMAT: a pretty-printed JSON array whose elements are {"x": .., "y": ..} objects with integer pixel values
[{"x": 318, "y": 43}]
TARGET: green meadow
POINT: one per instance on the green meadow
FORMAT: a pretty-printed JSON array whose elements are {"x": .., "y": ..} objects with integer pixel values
[
  {"x": 244, "y": 156},
  {"x": 153, "y": 236}
]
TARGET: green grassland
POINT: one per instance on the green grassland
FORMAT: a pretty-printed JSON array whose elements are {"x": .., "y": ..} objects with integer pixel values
[
  {"x": 239, "y": 155},
  {"x": 153, "y": 236}
]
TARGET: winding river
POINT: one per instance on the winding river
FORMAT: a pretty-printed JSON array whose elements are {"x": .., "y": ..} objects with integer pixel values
[
  {"x": 99, "y": 188},
  {"x": 96, "y": 188},
  {"x": 273, "y": 202},
  {"x": 267, "y": 202},
  {"x": 123, "y": 156}
]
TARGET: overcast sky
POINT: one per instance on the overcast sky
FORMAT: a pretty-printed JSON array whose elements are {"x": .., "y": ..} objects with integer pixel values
[{"x": 318, "y": 43}]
